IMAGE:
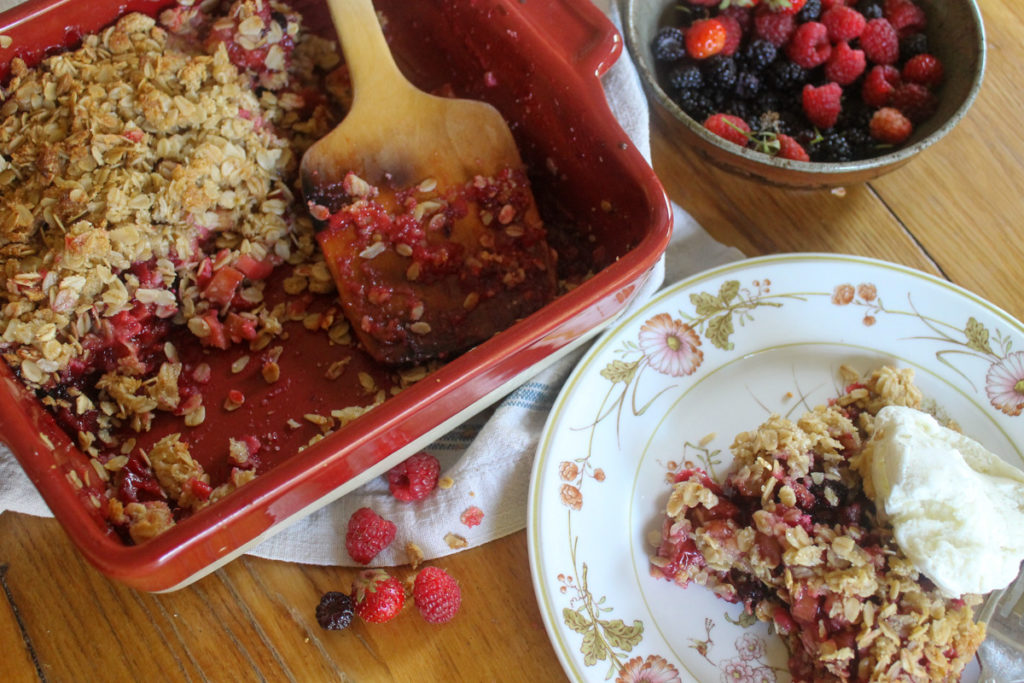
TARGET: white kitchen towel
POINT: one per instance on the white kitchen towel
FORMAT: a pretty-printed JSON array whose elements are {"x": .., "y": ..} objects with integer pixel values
[{"x": 488, "y": 458}]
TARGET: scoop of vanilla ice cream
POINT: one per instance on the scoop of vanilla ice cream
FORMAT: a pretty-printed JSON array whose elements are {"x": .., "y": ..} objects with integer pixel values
[{"x": 957, "y": 510}]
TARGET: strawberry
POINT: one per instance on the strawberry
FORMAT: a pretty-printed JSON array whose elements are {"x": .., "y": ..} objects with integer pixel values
[
  {"x": 367, "y": 535},
  {"x": 437, "y": 595},
  {"x": 414, "y": 478},
  {"x": 879, "y": 85},
  {"x": 822, "y": 104},
  {"x": 791, "y": 149},
  {"x": 704, "y": 38},
  {"x": 809, "y": 46},
  {"x": 786, "y": 6},
  {"x": 845, "y": 65},
  {"x": 890, "y": 126},
  {"x": 732, "y": 128},
  {"x": 925, "y": 69},
  {"x": 378, "y": 596}
]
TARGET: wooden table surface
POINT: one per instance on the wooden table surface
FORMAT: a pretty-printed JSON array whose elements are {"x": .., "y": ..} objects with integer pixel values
[{"x": 954, "y": 212}]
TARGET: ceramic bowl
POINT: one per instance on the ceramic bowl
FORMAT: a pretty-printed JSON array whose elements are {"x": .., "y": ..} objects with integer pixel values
[
  {"x": 539, "y": 64},
  {"x": 955, "y": 35}
]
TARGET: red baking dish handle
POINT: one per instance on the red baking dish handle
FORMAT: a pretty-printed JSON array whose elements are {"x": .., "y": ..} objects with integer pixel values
[{"x": 579, "y": 30}]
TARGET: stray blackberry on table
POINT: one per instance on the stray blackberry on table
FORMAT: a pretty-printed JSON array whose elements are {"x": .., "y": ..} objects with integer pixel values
[{"x": 335, "y": 611}]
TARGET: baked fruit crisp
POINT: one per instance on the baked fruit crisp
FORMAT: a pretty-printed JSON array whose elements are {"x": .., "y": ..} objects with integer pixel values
[
  {"x": 791, "y": 535},
  {"x": 151, "y": 225}
]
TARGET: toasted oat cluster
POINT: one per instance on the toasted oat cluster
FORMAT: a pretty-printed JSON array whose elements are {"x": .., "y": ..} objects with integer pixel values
[
  {"x": 147, "y": 195},
  {"x": 791, "y": 535}
]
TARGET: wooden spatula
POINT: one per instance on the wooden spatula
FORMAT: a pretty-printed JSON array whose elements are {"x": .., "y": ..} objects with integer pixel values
[{"x": 478, "y": 259}]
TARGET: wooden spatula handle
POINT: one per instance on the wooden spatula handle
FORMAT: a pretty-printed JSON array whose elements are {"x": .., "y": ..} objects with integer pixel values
[{"x": 366, "y": 50}]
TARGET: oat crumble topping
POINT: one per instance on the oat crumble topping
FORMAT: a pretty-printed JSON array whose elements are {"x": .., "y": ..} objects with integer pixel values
[
  {"x": 791, "y": 536},
  {"x": 147, "y": 189}
]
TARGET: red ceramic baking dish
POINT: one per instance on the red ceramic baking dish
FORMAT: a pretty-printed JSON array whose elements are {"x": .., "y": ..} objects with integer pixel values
[{"x": 538, "y": 62}]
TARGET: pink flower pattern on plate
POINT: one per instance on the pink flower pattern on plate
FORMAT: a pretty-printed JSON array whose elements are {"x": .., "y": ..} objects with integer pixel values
[
  {"x": 1004, "y": 383},
  {"x": 654, "y": 669},
  {"x": 671, "y": 346}
]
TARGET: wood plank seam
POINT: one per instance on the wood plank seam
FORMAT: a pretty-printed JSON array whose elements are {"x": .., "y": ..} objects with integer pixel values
[
  {"x": 909, "y": 233},
  {"x": 21, "y": 624}
]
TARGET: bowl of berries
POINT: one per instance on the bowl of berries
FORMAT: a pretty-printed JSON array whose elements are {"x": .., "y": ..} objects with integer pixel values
[{"x": 809, "y": 93}]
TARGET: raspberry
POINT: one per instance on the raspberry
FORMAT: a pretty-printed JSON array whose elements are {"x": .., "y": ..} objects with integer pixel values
[
  {"x": 879, "y": 85},
  {"x": 791, "y": 149},
  {"x": 773, "y": 27},
  {"x": 925, "y": 69},
  {"x": 905, "y": 16},
  {"x": 414, "y": 478},
  {"x": 809, "y": 46},
  {"x": 733, "y": 34},
  {"x": 732, "y": 128},
  {"x": 916, "y": 102},
  {"x": 822, "y": 104},
  {"x": 335, "y": 611},
  {"x": 890, "y": 126},
  {"x": 379, "y": 597},
  {"x": 669, "y": 44},
  {"x": 843, "y": 23},
  {"x": 829, "y": 4},
  {"x": 880, "y": 43},
  {"x": 704, "y": 38},
  {"x": 436, "y": 594},
  {"x": 845, "y": 65},
  {"x": 743, "y": 16},
  {"x": 367, "y": 535}
]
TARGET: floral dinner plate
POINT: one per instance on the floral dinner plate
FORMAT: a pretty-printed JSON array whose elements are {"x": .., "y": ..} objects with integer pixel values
[{"x": 707, "y": 358}]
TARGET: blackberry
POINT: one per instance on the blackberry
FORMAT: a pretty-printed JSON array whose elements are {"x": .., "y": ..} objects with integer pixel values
[
  {"x": 786, "y": 75},
  {"x": 758, "y": 55},
  {"x": 685, "y": 76},
  {"x": 913, "y": 45},
  {"x": 695, "y": 103},
  {"x": 720, "y": 72},
  {"x": 862, "y": 145},
  {"x": 871, "y": 9},
  {"x": 748, "y": 84},
  {"x": 811, "y": 11},
  {"x": 669, "y": 44},
  {"x": 741, "y": 109},
  {"x": 833, "y": 146},
  {"x": 334, "y": 611}
]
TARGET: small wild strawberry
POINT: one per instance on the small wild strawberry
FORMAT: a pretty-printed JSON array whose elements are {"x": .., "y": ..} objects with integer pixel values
[
  {"x": 378, "y": 596},
  {"x": 732, "y": 128},
  {"x": 705, "y": 38},
  {"x": 436, "y": 594}
]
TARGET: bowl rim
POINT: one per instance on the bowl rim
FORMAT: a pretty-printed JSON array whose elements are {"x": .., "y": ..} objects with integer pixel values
[{"x": 895, "y": 158}]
